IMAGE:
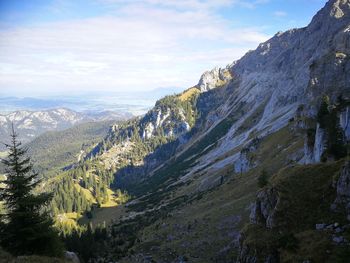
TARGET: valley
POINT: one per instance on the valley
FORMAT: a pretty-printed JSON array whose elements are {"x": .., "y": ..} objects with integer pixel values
[{"x": 249, "y": 165}]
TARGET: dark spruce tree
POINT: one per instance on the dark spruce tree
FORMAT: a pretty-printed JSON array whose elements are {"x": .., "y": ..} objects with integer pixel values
[{"x": 26, "y": 228}]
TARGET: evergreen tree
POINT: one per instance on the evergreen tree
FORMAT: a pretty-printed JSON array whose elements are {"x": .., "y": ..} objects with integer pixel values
[
  {"x": 328, "y": 118},
  {"x": 263, "y": 179},
  {"x": 323, "y": 112},
  {"x": 336, "y": 146},
  {"x": 25, "y": 228}
]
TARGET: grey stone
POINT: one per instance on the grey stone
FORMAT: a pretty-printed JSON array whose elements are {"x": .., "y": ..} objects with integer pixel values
[
  {"x": 214, "y": 78},
  {"x": 343, "y": 190},
  {"x": 345, "y": 122},
  {"x": 71, "y": 256},
  {"x": 263, "y": 210},
  {"x": 320, "y": 226},
  {"x": 338, "y": 239},
  {"x": 339, "y": 230},
  {"x": 320, "y": 143},
  {"x": 330, "y": 226}
]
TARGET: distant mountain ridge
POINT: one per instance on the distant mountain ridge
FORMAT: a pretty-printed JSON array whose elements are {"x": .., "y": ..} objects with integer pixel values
[{"x": 30, "y": 124}]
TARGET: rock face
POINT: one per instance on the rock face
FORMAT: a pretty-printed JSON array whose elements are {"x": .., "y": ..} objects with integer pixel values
[
  {"x": 213, "y": 79},
  {"x": 320, "y": 144},
  {"x": 343, "y": 190},
  {"x": 172, "y": 121},
  {"x": 242, "y": 165},
  {"x": 313, "y": 153},
  {"x": 308, "y": 152},
  {"x": 71, "y": 256},
  {"x": 245, "y": 162},
  {"x": 263, "y": 209},
  {"x": 345, "y": 122},
  {"x": 246, "y": 255}
]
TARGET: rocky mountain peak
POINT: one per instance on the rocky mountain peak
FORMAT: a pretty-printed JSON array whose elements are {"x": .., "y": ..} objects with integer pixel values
[
  {"x": 333, "y": 15},
  {"x": 339, "y": 8}
]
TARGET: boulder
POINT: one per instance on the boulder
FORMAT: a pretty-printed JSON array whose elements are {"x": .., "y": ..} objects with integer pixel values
[{"x": 71, "y": 256}]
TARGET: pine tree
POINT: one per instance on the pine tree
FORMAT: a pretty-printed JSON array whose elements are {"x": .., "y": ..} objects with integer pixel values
[
  {"x": 323, "y": 112},
  {"x": 263, "y": 179},
  {"x": 336, "y": 146},
  {"x": 25, "y": 228}
]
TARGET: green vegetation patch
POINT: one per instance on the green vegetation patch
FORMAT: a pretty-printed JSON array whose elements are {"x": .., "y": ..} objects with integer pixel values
[
  {"x": 52, "y": 151},
  {"x": 306, "y": 194}
]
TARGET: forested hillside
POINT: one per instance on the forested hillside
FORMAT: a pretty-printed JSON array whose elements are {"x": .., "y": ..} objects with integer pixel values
[{"x": 63, "y": 148}]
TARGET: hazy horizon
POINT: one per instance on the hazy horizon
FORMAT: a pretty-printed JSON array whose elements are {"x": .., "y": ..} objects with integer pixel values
[{"x": 73, "y": 48}]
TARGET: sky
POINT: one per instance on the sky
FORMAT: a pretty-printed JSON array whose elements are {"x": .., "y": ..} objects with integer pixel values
[{"x": 76, "y": 47}]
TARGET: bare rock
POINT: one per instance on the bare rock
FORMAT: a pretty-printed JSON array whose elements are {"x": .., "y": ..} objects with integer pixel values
[
  {"x": 343, "y": 190},
  {"x": 214, "y": 78},
  {"x": 264, "y": 208},
  {"x": 71, "y": 256}
]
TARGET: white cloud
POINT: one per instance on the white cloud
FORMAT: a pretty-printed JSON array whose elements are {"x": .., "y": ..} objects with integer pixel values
[
  {"x": 190, "y": 4},
  {"x": 140, "y": 47},
  {"x": 280, "y": 13}
]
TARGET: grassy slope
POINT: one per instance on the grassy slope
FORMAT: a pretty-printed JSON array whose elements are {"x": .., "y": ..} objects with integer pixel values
[
  {"x": 202, "y": 226},
  {"x": 104, "y": 215},
  {"x": 189, "y": 93},
  {"x": 211, "y": 214},
  {"x": 306, "y": 194}
]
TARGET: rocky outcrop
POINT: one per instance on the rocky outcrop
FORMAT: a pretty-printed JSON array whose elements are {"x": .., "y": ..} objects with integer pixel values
[
  {"x": 243, "y": 164},
  {"x": 262, "y": 211},
  {"x": 320, "y": 144},
  {"x": 247, "y": 255},
  {"x": 171, "y": 120},
  {"x": 245, "y": 161},
  {"x": 343, "y": 191},
  {"x": 345, "y": 122},
  {"x": 71, "y": 257},
  {"x": 308, "y": 152},
  {"x": 214, "y": 78},
  {"x": 314, "y": 145}
]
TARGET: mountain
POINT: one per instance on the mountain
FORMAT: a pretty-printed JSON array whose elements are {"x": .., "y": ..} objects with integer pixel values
[
  {"x": 248, "y": 165},
  {"x": 193, "y": 161},
  {"x": 284, "y": 78},
  {"x": 30, "y": 124}
]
